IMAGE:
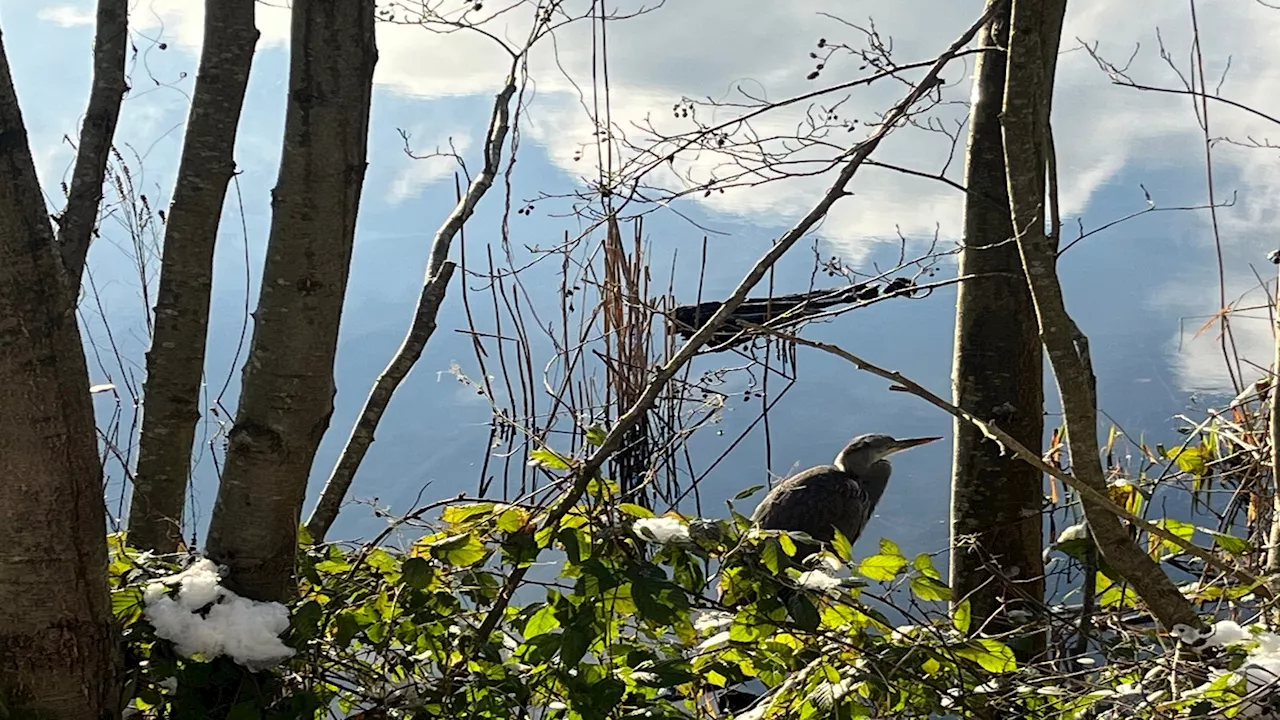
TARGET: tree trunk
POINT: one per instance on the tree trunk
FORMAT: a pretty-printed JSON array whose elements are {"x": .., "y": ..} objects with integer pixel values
[
  {"x": 996, "y": 498},
  {"x": 1036, "y": 28},
  {"x": 175, "y": 363},
  {"x": 59, "y": 653},
  {"x": 286, "y": 398}
]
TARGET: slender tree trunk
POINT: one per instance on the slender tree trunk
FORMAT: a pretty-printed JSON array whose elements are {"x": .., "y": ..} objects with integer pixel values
[
  {"x": 1035, "y": 31},
  {"x": 996, "y": 526},
  {"x": 59, "y": 654},
  {"x": 175, "y": 363},
  {"x": 287, "y": 392}
]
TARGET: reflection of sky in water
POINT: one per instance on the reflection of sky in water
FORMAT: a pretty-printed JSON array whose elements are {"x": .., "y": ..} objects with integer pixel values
[{"x": 1129, "y": 287}]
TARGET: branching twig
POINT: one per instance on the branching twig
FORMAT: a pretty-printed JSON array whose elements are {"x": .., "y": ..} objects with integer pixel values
[
  {"x": 79, "y": 219},
  {"x": 584, "y": 472},
  {"x": 439, "y": 271},
  {"x": 993, "y": 432}
]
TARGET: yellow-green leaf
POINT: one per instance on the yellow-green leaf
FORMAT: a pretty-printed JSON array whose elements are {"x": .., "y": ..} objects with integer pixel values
[
  {"x": 548, "y": 458},
  {"x": 889, "y": 547},
  {"x": 788, "y": 545},
  {"x": 458, "y": 514},
  {"x": 459, "y": 550},
  {"x": 992, "y": 655},
  {"x": 842, "y": 546},
  {"x": 596, "y": 435},
  {"x": 512, "y": 519},
  {"x": 882, "y": 567},
  {"x": 541, "y": 622},
  {"x": 1190, "y": 460},
  {"x": 634, "y": 510},
  {"x": 927, "y": 588},
  {"x": 924, "y": 564},
  {"x": 962, "y": 616}
]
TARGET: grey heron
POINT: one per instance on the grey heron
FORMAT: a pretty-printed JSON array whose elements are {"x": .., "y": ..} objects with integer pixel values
[{"x": 841, "y": 495}]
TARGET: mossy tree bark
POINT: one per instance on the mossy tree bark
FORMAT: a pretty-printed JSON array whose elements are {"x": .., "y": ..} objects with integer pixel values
[
  {"x": 175, "y": 362},
  {"x": 59, "y": 650},
  {"x": 998, "y": 375},
  {"x": 288, "y": 388}
]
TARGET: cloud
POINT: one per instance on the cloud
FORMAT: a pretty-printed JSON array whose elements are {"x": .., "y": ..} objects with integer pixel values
[
  {"x": 428, "y": 167},
  {"x": 66, "y": 16},
  {"x": 728, "y": 50}
]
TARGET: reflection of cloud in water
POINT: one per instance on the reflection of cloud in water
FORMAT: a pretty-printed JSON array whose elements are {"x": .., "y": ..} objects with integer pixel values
[
  {"x": 707, "y": 49},
  {"x": 1199, "y": 363}
]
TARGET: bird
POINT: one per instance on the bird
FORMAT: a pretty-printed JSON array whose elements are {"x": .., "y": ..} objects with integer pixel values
[{"x": 838, "y": 496}]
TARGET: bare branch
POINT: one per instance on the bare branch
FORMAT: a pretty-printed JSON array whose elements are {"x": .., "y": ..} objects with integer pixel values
[
  {"x": 993, "y": 432},
  {"x": 78, "y": 220},
  {"x": 855, "y": 157}
]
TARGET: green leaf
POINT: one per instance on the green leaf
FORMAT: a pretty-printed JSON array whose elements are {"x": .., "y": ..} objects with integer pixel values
[
  {"x": 787, "y": 544},
  {"x": 883, "y": 567},
  {"x": 596, "y": 435},
  {"x": 1184, "y": 530},
  {"x": 803, "y": 612},
  {"x": 548, "y": 458},
  {"x": 1190, "y": 460},
  {"x": 573, "y": 645},
  {"x": 513, "y": 519},
  {"x": 962, "y": 616},
  {"x": 126, "y": 604},
  {"x": 541, "y": 622},
  {"x": 927, "y": 588},
  {"x": 889, "y": 547},
  {"x": 748, "y": 492},
  {"x": 844, "y": 549},
  {"x": 992, "y": 655},
  {"x": 458, "y": 514},
  {"x": 305, "y": 621},
  {"x": 634, "y": 510},
  {"x": 924, "y": 565},
  {"x": 743, "y": 630},
  {"x": 769, "y": 556},
  {"x": 417, "y": 573},
  {"x": 1230, "y": 543},
  {"x": 459, "y": 550}
]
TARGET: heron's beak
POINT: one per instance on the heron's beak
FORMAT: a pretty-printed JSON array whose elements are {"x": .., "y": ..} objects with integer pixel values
[{"x": 908, "y": 443}]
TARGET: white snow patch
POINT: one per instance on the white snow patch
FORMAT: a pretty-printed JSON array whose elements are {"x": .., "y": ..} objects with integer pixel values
[
  {"x": 1072, "y": 532},
  {"x": 661, "y": 530},
  {"x": 245, "y": 630},
  {"x": 1261, "y": 668},
  {"x": 818, "y": 580},
  {"x": 712, "y": 620}
]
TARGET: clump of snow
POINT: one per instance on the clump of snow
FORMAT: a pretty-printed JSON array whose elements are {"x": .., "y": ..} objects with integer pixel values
[
  {"x": 1073, "y": 532},
  {"x": 1261, "y": 668},
  {"x": 817, "y": 580},
  {"x": 712, "y": 620},
  {"x": 203, "y": 618},
  {"x": 661, "y": 530}
]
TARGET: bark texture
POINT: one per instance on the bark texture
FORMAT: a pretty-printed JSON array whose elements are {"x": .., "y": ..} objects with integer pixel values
[
  {"x": 59, "y": 652},
  {"x": 998, "y": 375},
  {"x": 1036, "y": 29},
  {"x": 175, "y": 362},
  {"x": 287, "y": 391}
]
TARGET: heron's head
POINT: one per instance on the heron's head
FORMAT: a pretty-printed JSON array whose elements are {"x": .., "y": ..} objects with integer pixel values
[{"x": 866, "y": 450}]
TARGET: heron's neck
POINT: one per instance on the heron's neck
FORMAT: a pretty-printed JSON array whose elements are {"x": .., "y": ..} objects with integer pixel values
[{"x": 873, "y": 477}]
